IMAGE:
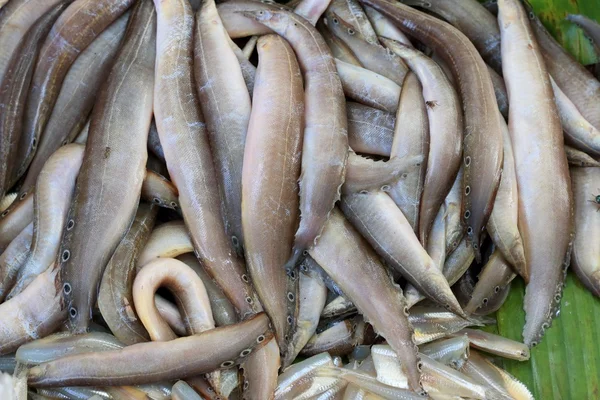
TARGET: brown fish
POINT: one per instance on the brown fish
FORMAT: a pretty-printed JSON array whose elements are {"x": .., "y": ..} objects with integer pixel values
[
  {"x": 370, "y": 130},
  {"x": 13, "y": 258}
]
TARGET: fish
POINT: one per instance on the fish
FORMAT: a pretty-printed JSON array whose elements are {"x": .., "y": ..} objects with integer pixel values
[
  {"x": 72, "y": 33},
  {"x": 499, "y": 91},
  {"x": 170, "y": 239},
  {"x": 225, "y": 104},
  {"x": 590, "y": 27},
  {"x": 14, "y": 90},
  {"x": 185, "y": 142},
  {"x": 495, "y": 344},
  {"x": 115, "y": 296},
  {"x": 411, "y": 138},
  {"x": 585, "y": 257},
  {"x": 311, "y": 10},
  {"x": 15, "y": 218},
  {"x": 454, "y": 229},
  {"x": 299, "y": 377},
  {"x": 494, "y": 277},
  {"x": 370, "y": 131},
  {"x": 114, "y": 164},
  {"x": 150, "y": 362},
  {"x": 580, "y": 159},
  {"x": 339, "y": 49},
  {"x": 541, "y": 167},
  {"x": 270, "y": 175},
  {"x": 482, "y": 143},
  {"x": 12, "y": 259},
  {"x": 438, "y": 377},
  {"x": 352, "y": 12},
  {"x": 384, "y": 28},
  {"x": 353, "y": 265},
  {"x": 183, "y": 391},
  {"x": 260, "y": 372},
  {"x": 53, "y": 194},
  {"x": 452, "y": 352},
  {"x": 160, "y": 191}
]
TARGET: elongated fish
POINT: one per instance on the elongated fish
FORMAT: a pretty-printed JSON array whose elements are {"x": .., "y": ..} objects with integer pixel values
[
  {"x": 13, "y": 258},
  {"x": 370, "y": 130},
  {"x": 110, "y": 180}
]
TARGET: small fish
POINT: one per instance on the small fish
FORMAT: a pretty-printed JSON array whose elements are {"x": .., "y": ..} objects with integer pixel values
[{"x": 495, "y": 344}]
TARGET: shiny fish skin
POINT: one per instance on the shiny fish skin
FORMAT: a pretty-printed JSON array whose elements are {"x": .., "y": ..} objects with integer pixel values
[
  {"x": 483, "y": 134},
  {"x": 454, "y": 230},
  {"x": 160, "y": 191},
  {"x": 384, "y": 226},
  {"x": 170, "y": 239},
  {"x": 260, "y": 372},
  {"x": 411, "y": 138},
  {"x": 445, "y": 132},
  {"x": 503, "y": 223},
  {"x": 495, "y": 344},
  {"x": 156, "y": 361},
  {"x": 77, "y": 96},
  {"x": 325, "y": 147},
  {"x": 384, "y": 27},
  {"x": 269, "y": 181},
  {"x": 370, "y": 130},
  {"x": 13, "y": 258},
  {"x": 365, "y": 174},
  {"x": 115, "y": 297},
  {"x": 352, "y": 12},
  {"x": 586, "y": 251},
  {"x": 337, "y": 340},
  {"x": 311, "y": 10},
  {"x": 187, "y": 152},
  {"x": 110, "y": 180},
  {"x": 74, "y": 30},
  {"x": 438, "y": 377},
  {"x": 339, "y": 49},
  {"x": 541, "y": 166},
  {"x": 14, "y": 219},
  {"x": 366, "y": 282},
  {"x": 14, "y": 91},
  {"x": 368, "y": 87},
  {"x": 493, "y": 278},
  {"x": 225, "y": 104},
  {"x": 432, "y": 323},
  {"x": 53, "y": 194},
  {"x": 452, "y": 352}
]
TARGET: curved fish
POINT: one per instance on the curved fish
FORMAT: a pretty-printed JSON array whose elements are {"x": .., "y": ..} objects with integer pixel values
[
  {"x": 226, "y": 108},
  {"x": 370, "y": 130},
  {"x": 541, "y": 167},
  {"x": 72, "y": 33},
  {"x": 270, "y": 179},
  {"x": 384, "y": 226},
  {"x": 384, "y": 27},
  {"x": 493, "y": 278},
  {"x": 353, "y": 265},
  {"x": 15, "y": 218},
  {"x": 368, "y": 87},
  {"x": 77, "y": 96},
  {"x": 13, "y": 258},
  {"x": 586, "y": 250},
  {"x": 53, "y": 194},
  {"x": 115, "y": 297},
  {"x": 445, "y": 132},
  {"x": 14, "y": 89},
  {"x": 411, "y": 138},
  {"x": 337, "y": 340},
  {"x": 578, "y": 158},
  {"x": 157, "y": 361},
  {"x": 503, "y": 223},
  {"x": 238, "y": 25},
  {"x": 110, "y": 180},
  {"x": 352, "y": 12},
  {"x": 170, "y": 239},
  {"x": 339, "y": 49},
  {"x": 160, "y": 191},
  {"x": 483, "y": 134},
  {"x": 311, "y": 10},
  {"x": 325, "y": 143},
  {"x": 589, "y": 26},
  {"x": 187, "y": 151}
]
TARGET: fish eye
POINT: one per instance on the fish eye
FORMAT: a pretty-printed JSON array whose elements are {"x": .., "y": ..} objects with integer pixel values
[
  {"x": 467, "y": 214},
  {"x": 598, "y": 199},
  {"x": 293, "y": 274},
  {"x": 235, "y": 241},
  {"x": 226, "y": 364},
  {"x": 289, "y": 319},
  {"x": 364, "y": 192},
  {"x": 350, "y": 31},
  {"x": 248, "y": 300},
  {"x": 385, "y": 188},
  {"x": 531, "y": 15},
  {"x": 261, "y": 12},
  {"x": 468, "y": 190},
  {"x": 485, "y": 301},
  {"x": 305, "y": 253},
  {"x": 246, "y": 385},
  {"x": 420, "y": 365},
  {"x": 469, "y": 231}
]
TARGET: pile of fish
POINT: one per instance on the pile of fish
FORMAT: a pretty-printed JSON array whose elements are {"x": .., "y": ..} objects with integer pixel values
[{"x": 316, "y": 200}]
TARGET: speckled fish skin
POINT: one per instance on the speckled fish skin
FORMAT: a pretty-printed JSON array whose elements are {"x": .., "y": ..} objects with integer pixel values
[
  {"x": 368, "y": 87},
  {"x": 472, "y": 19},
  {"x": 270, "y": 178},
  {"x": 445, "y": 132},
  {"x": 13, "y": 258},
  {"x": 115, "y": 297},
  {"x": 586, "y": 250},
  {"x": 110, "y": 180},
  {"x": 325, "y": 147},
  {"x": 352, "y": 264},
  {"x": 157, "y": 361},
  {"x": 370, "y": 130},
  {"x": 384, "y": 226},
  {"x": 14, "y": 219},
  {"x": 14, "y": 89},
  {"x": 580, "y": 86},
  {"x": 74, "y": 30},
  {"x": 372, "y": 56},
  {"x": 483, "y": 133},
  {"x": 541, "y": 166},
  {"x": 226, "y": 108},
  {"x": 187, "y": 151},
  {"x": 503, "y": 223},
  {"x": 493, "y": 278},
  {"x": 53, "y": 194},
  {"x": 411, "y": 138},
  {"x": 352, "y": 12},
  {"x": 77, "y": 96},
  {"x": 16, "y": 19},
  {"x": 35, "y": 313}
]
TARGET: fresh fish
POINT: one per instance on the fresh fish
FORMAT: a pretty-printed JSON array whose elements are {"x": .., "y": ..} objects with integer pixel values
[
  {"x": 438, "y": 377},
  {"x": 299, "y": 378},
  {"x": 261, "y": 385},
  {"x": 170, "y": 239},
  {"x": 110, "y": 179},
  {"x": 226, "y": 108},
  {"x": 337, "y": 307},
  {"x": 586, "y": 249},
  {"x": 352, "y": 12},
  {"x": 578, "y": 158},
  {"x": 337, "y": 340},
  {"x": 589, "y": 26},
  {"x": 339, "y": 49},
  {"x": 248, "y": 69},
  {"x": 541, "y": 167},
  {"x": 496, "y": 344},
  {"x": 160, "y": 191},
  {"x": 15, "y": 218},
  {"x": 454, "y": 229},
  {"x": 187, "y": 151},
  {"x": 367, "y": 87},
  {"x": 384, "y": 226},
  {"x": 384, "y": 27},
  {"x": 499, "y": 92},
  {"x": 350, "y": 261},
  {"x": 495, "y": 276},
  {"x": 311, "y": 10},
  {"x": 411, "y": 138},
  {"x": 12, "y": 259},
  {"x": 115, "y": 297},
  {"x": 385, "y": 361},
  {"x": 452, "y": 352},
  {"x": 483, "y": 134},
  {"x": 370, "y": 130}
]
